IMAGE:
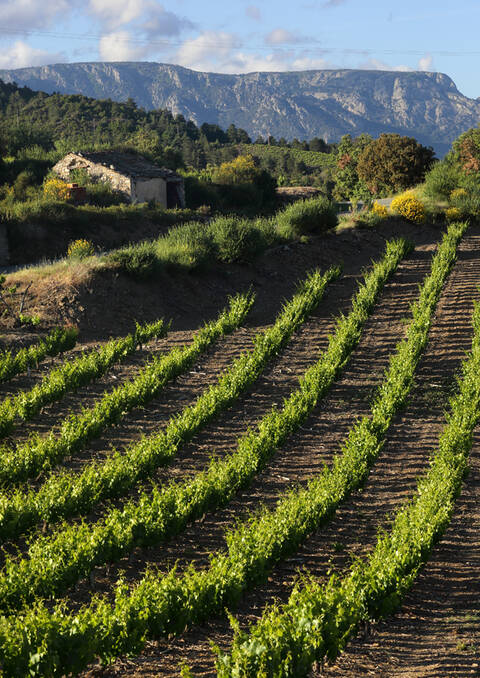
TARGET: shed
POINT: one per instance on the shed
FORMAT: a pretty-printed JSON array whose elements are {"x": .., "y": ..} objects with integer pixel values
[{"x": 138, "y": 179}]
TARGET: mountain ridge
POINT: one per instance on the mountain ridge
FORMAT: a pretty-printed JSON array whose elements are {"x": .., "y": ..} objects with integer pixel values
[{"x": 302, "y": 104}]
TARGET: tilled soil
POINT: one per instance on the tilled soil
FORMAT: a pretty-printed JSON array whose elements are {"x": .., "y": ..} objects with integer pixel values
[
  {"x": 436, "y": 633},
  {"x": 352, "y": 530},
  {"x": 307, "y": 451},
  {"x": 410, "y": 442}
]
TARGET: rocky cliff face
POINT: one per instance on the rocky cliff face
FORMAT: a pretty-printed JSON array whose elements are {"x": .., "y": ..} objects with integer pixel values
[{"x": 305, "y": 104}]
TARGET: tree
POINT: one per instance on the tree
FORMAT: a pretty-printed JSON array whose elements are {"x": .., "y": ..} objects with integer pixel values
[
  {"x": 213, "y": 133},
  {"x": 393, "y": 163},
  {"x": 466, "y": 150},
  {"x": 319, "y": 145},
  {"x": 236, "y": 135},
  {"x": 348, "y": 185}
]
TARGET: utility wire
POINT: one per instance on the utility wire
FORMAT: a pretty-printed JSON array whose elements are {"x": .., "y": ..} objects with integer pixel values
[{"x": 269, "y": 48}]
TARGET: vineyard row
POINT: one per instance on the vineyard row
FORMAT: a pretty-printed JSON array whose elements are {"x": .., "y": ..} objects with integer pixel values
[
  {"x": 318, "y": 620},
  {"x": 71, "y": 375},
  {"x": 66, "y": 494},
  {"x": 159, "y": 604},
  {"x": 59, "y": 340},
  {"x": 41, "y": 454},
  {"x": 75, "y": 549}
]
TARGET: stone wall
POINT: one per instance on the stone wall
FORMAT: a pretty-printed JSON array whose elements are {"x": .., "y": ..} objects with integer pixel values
[
  {"x": 119, "y": 182},
  {"x": 144, "y": 190}
]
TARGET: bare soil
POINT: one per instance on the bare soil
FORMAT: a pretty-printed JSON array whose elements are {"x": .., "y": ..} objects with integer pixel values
[
  {"x": 411, "y": 441},
  {"x": 436, "y": 632}
]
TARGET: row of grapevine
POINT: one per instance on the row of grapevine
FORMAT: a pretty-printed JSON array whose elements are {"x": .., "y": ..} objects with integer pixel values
[
  {"x": 71, "y": 375},
  {"x": 59, "y": 340},
  {"x": 67, "y": 494},
  {"x": 54, "y": 642},
  {"x": 318, "y": 619},
  {"x": 43, "y": 453},
  {"x": 76, "y": 549}
]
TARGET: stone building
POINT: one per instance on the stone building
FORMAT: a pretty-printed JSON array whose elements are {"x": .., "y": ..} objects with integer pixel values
[{"x": 138, "y": 179}]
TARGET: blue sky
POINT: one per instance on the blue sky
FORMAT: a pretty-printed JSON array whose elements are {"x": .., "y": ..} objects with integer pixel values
[{"x": 249, "y": 35}]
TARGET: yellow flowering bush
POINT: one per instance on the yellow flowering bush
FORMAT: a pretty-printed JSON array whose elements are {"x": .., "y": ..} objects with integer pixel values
[
  {"x": 80, "y": 249},
  {"x": 239, "y": 170},
  {"x": 453, "y": 214},
  {"x": 409, "y": 207},
  {"x": 379, "y": 210},
  {"x": 56, "y": 189},
  {"x": 458, "y": 193}
]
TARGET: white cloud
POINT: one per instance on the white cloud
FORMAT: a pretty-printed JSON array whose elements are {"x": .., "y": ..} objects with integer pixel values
[
  {"x": 209, "y": 49},
  {"x": 151, "y": 18},
  {"x": 162, "y": 22},
  {"x": 20, "y": 54},
  {"x": 117, "y": 46},
  {"x": 309, "y": 64},
  {"x": 253, "y": 12},
  {"x": 250, "y": 63},
  {"x": 116, "y": 13},
  {"x": 222, "y": 53},
  {"x": 377, "y": 65},
  {"x": 426, "y": 63},
  {"x": 280, "y": 36},
  {"x": 333, "y": 3},
  {"x": 28, "y": 14}
]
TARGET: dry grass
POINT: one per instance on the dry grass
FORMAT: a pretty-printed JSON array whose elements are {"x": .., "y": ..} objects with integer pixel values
[{"x": 65, "y": 271}]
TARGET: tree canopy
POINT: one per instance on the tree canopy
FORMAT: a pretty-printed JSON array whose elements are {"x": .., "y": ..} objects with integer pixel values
[{"x": 393, "y": 163}]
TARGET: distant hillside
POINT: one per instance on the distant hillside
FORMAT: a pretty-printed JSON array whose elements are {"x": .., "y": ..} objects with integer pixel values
[{"x": 306, "y": 104}]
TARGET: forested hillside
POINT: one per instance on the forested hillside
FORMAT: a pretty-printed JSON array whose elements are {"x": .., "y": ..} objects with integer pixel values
[{"x": 54, "y": 124}]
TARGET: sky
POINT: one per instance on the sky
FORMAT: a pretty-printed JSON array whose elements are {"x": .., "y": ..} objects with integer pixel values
[{"x": 242, "y": 36}]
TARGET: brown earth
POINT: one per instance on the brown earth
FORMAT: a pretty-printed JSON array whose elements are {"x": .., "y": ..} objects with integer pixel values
[
  {"x": 107, "y": 303},
  {"x": 354, "y": 527},
  {"x": 116, "y": 301}
]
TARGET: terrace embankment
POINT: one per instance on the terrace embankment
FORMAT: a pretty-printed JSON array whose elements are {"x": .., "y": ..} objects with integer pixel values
[{"x": 105, "y": 302}]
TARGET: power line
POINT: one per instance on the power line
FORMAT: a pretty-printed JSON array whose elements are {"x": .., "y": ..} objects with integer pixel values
[{"x": 177, "y": 43}]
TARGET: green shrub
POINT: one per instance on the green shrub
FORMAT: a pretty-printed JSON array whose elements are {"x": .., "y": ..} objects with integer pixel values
[
  {"x": 307, "y": 216},
  {"x": 198, "y": 192},
  {"x": 441, "y": 180},
  {"x": 240, "y": 196},
  {"x": 238, "y": 239},
  {"x": 368, "y": 219},
  {"x": 187, "y": 246},
  {"x": 139, "y": 260},
  {"x": 468, "y": 205},
  {"x": 23, "y": 182},
  {"x": 195, "y": 245}
]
